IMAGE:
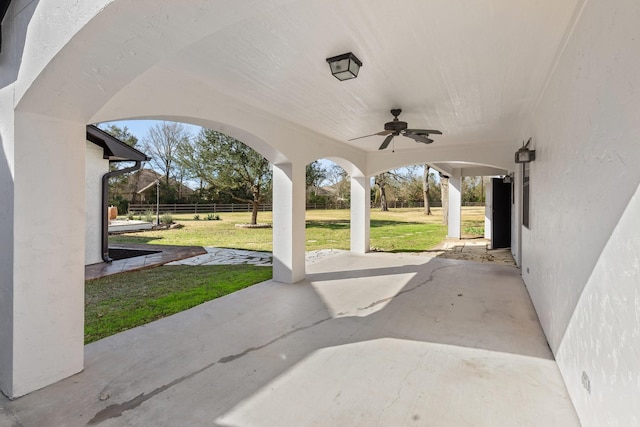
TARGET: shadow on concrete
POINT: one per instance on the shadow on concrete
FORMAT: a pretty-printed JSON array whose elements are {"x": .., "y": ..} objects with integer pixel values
[{"x": 362, "y": 326}]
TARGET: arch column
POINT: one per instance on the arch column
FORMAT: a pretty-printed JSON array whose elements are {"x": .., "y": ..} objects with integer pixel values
[
  {"x": 42, "y": 225},
  {"x": 360, "y": 214},
  {"x": 288, "y": 222},
  {"x": 455, "y": 205}
]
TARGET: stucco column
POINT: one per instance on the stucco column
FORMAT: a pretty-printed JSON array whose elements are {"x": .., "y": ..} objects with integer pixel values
[
  {"x": 360, "y": 214},
  {"x": 488, "y": 209},
  {"x": 455, "y": 205},
  {"x": 288, "y": 222},
  {"x": 42, "y": 269}
]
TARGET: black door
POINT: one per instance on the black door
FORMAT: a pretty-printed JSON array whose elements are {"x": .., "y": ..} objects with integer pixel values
[{"x": 501, "y": 217}]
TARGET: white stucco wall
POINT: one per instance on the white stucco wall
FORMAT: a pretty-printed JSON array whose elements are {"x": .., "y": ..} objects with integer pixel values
[
  {"x": 47, "y": 337},
  {"x": 13, "y": 26},
  {"x": 95, "y": 168},
  {"x": 603, "y": 337},
  {"x": 587, "y": 136},
  {"x": 6, "y": 236},
  {"x": 41, "y": 229},
  {"x": 488, "y": 210}
]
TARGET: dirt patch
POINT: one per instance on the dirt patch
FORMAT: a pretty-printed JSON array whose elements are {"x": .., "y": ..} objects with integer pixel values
[
  {"x": 474, "y": 250},
  {"x": 259, "y": 225}
]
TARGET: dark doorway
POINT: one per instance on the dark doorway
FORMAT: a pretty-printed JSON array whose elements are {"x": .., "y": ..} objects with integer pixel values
[
  {"x": 501, "y": 215},
  {"x": 117, "y": 254}
]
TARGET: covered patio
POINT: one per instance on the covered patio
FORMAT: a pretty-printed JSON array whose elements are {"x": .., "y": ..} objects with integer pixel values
[
  {"x": 375, "y": 339},
  {"x": 488, "y": 75}
]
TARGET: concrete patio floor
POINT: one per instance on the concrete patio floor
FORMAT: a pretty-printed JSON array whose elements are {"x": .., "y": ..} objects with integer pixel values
[{"x": 378, "y": 339}]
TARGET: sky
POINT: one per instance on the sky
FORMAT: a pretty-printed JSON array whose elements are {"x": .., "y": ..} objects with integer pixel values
[{"x": 140, "y": 129}]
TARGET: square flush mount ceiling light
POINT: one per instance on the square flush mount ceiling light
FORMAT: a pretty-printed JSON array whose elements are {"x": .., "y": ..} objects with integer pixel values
[{"x": 345, "y": 66}]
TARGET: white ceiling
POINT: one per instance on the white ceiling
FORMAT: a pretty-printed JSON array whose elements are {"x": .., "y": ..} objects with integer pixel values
[{"x": 472, "y": 69}]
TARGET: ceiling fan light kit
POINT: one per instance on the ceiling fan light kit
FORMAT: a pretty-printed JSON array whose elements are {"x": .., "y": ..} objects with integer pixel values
[
  {"x": 345, "y": 66},
  {"x": 397, "y": 127}
]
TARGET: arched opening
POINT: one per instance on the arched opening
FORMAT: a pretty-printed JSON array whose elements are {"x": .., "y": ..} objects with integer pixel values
[
  {"x": 328, "y": 206},
  {"x": 197, "y": 206}
]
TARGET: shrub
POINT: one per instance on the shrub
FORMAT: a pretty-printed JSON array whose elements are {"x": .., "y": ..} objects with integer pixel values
[
  {"x": 212, "y": 217},
  {"x": 196, "y": 217},
  {"x": 148, "y": 216},
  {"x": 166, "y": 219},
  {"x": 129, "y": 215}
]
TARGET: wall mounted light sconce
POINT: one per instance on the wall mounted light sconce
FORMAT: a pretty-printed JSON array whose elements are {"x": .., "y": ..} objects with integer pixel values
[
  {"x": 524, "y": 155},
  {"x": 508, "y": 179},
  {"x": 345, "y": 66}
]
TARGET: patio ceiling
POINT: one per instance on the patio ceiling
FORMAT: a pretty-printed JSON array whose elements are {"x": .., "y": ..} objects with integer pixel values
[{"x": 473, "y": 70}]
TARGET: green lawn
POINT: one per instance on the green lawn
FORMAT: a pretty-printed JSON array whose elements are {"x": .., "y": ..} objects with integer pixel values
[
  {"x": 124, "y": 301},
  {"x": 397, "y": 230}
]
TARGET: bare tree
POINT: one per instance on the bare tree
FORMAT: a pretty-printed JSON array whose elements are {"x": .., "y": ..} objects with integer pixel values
[
  {"x": 380, "y": 182},
  {"x": 397, "y": 181},
  {"x": 162, "y": 144},
  {"x": 425, "y": 189}
]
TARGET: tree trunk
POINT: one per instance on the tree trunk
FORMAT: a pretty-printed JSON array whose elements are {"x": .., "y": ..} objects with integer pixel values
[
  {"x": 425, "y": 190},
  {"x": 256, "y": 204},
  {"x": 254, "y": 213},
  {"x": 444, "y": 194},
  {"x": 384, "y": 206},
  {"x": 381, "y": 183},
  {"x": 166, "y": 175}
]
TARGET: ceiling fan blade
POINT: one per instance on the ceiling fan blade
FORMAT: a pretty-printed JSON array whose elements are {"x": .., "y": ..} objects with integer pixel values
[
  {"x": 419, "y": 138},
  {"x": 384, "y": 132},
  {"x": 423, "y": 131},
  {"x": 386, "y": 142}
]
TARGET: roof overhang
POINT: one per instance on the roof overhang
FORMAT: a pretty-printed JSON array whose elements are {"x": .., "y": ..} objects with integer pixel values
[{"x": 114, "y": 149}]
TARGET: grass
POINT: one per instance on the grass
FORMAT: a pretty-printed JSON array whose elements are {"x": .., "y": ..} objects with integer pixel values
[
  {"x": 221, "y": 233},
  {"x": 124, "y": 301},
  {"x": 397, "y": 230}
]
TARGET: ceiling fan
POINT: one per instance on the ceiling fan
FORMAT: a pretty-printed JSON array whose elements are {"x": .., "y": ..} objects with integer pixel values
[{"x": 396, "y": 127}]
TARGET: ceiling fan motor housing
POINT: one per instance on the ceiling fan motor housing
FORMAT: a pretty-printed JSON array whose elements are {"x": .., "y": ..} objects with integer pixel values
[{"x": 396, "y": 125}]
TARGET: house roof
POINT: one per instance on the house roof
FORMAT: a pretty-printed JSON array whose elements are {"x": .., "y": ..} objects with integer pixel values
[
  {"x": 145, "y": 179},
  {"x": 114, "y": 149}
]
